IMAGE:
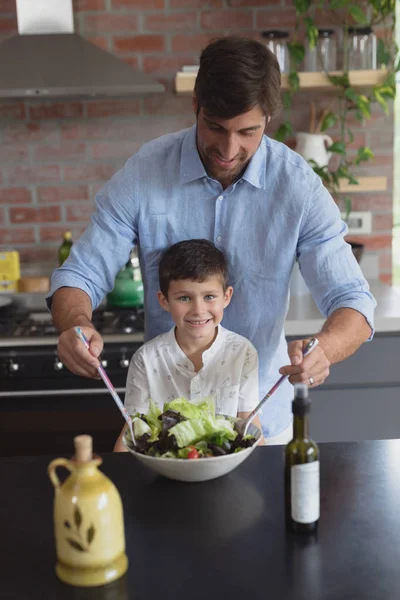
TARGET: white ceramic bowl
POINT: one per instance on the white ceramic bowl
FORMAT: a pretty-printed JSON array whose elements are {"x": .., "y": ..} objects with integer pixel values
[{"x": 199, "y": 469}]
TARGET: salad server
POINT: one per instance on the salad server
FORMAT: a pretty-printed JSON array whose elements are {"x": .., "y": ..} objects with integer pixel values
[
  {"x": 109, "y": 385},
  {"x": 242, "y": 425}
]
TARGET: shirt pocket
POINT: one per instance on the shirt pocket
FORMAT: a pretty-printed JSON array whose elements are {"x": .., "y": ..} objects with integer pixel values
[{"x": 227, "y": 400}]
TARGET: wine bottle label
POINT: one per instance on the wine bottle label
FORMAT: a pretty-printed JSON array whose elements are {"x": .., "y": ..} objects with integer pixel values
[{"x": 305, "y": 492}]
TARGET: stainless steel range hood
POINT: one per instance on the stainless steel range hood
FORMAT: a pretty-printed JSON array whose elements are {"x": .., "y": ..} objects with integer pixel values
[{"x": 62, "y": 64}]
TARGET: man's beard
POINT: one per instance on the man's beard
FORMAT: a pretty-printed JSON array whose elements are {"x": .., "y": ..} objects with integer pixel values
[{"x": 225, "y": 176}]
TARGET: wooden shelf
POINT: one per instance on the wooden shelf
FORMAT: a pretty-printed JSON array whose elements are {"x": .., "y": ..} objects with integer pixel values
[
  {"x": 365, "y": 184},
  {"x": 184, "y": 82}
]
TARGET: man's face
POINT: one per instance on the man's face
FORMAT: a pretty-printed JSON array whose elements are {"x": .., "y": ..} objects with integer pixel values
[{"x": 226, "y": 146}]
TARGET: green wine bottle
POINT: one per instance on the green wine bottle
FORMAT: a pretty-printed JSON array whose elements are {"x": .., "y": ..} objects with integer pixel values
[
  {"x": 65, "y": 248},
  {"x": 301, "y": 469}
]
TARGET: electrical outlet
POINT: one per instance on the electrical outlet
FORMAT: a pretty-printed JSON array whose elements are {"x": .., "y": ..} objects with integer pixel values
[{"x": 358, "y": 221}]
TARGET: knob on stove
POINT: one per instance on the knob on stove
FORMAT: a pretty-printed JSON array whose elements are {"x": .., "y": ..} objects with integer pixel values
[
  {"x": 124, "y": 363},
  {"x": 58, "y": 366},
  {"x": 13, "y": 367},
  {"x": 104, "y": 363}
]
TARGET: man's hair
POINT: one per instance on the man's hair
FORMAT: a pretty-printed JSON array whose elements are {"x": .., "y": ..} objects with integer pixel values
[
  {"x": 197, "y": 260},
  {"x": 235, "y": 75}
]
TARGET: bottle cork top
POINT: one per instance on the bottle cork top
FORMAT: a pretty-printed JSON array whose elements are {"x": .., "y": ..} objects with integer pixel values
[
  {"x": 67, "y": 235},
  {"x": 83, "y": 448}
]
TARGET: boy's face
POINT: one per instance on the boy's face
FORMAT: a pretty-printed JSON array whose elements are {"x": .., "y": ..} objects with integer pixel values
[{"x": 196, "y": 308}]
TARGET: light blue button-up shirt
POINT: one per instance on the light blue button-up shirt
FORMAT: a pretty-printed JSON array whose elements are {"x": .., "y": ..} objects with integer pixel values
[{"x": 277, "y": 211}]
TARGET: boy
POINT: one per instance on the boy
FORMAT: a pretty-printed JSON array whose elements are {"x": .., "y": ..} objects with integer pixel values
[{"x": 197, "y": 357}]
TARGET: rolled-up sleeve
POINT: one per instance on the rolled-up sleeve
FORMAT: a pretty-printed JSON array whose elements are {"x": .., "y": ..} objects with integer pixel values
[
  {"x": 104, "y": 247},
  {"x": 327, "y": 262}
]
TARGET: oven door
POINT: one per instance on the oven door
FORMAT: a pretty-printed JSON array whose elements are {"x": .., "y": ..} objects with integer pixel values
[{"x": 43, "y": 406}]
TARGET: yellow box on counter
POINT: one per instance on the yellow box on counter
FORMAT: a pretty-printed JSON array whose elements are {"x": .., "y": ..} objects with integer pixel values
[{"x": 9, "y": 270}]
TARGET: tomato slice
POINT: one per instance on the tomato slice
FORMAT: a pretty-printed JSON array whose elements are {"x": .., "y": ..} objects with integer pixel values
[{"x": 193, "y": 453}]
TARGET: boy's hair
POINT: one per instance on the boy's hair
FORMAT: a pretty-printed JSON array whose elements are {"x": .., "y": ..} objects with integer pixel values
[
  {"x": 197, "y": 260},
  {"x": 235, "y": 75}
]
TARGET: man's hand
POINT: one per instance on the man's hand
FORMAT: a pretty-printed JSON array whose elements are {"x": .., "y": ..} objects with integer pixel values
[
  {"x": 74, "y": 354},
  {"x": 311, "y": 370}
]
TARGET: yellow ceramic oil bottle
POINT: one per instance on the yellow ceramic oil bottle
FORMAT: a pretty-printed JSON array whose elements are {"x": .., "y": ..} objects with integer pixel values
[{"x": 88, "y": 520}]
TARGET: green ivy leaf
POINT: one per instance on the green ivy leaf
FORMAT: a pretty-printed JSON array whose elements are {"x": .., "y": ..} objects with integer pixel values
[
  {"x": 301, "y": 6},
  {"x": 351, "y": 94},
  {"x": 363, "y": 154},
  {"x": 296, "y": 51},
  {"x": 363, "y": 103},
  {"x": 379, "y": 98},
  {"x": 359, "y": 116},
  {"x": 287, "y": 99},
  {"x": 328, "y": 121},
  {"x": 383, "y": 54},
  {"x": 358, "y": 15},
  {"x": 347, "y": 205},
  {"x": 76, "y": 545},
  {"x": 335, "y": 4},
  {"x": 294, "y": 81},
  {"x": 352, "y": 180},
  {"x": 90, "y": 534},
  {"x": 340, "y": 80},
  {"x": 350, "y": 135},
  {"x": 338, "y": 147},
  {"x": 283, "y": 131},
  {"x": 77, "y": 517},
  {"x": 311, "y": 32}
]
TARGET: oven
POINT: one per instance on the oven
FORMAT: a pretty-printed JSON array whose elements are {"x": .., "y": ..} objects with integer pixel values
[{"x": 43, "y": 405}]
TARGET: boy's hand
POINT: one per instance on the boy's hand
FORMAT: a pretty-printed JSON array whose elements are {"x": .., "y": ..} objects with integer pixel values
[
  {"x": 311, "y": 370},
  {"x": 74, "y": 354}
]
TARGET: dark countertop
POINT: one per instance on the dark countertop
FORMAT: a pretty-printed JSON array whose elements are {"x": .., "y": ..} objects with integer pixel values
[{"x": 223, "y": 539}]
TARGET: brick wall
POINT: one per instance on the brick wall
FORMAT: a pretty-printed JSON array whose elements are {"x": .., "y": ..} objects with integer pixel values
[{"x": 54, "y": 156}]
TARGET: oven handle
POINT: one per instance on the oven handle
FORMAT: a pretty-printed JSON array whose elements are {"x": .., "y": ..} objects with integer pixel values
[{"x": 58, "y": 392}]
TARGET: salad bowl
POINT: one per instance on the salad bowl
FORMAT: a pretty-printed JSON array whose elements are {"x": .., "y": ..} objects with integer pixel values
[{"x": 200, "y": 469}]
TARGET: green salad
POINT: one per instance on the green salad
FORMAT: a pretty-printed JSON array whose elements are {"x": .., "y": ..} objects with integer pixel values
[{"x": 186, "y": 430}]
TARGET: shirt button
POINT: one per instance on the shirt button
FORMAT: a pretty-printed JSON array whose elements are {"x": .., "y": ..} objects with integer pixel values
[
  {"x": 219, "y": 238},
  {"x": 220, "y": 198}
]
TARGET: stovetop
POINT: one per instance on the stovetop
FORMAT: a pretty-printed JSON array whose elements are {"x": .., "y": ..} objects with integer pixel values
[{"x": 19, "y": 323}]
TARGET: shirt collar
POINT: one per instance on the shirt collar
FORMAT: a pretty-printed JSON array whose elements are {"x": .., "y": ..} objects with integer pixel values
[
  {"x": 207, "y": 354},
  {"x": 191, "y": 167}
]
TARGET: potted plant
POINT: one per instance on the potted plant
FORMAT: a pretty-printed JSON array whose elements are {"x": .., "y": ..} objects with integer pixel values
[{"x": 351, "y": 101}]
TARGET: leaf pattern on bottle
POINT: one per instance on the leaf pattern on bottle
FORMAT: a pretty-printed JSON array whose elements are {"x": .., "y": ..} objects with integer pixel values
[{"x": 83, "y": 541}]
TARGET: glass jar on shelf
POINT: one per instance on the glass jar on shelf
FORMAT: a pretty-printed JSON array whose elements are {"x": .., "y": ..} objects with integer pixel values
[
  {"x": 362, "y": 48},
  {"x": 323, "y": 56},
  {"x": 276, "y": 42}
]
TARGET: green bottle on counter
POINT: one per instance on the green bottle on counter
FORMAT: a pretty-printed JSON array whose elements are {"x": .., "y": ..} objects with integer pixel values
[
  {"x": 65, "y": 248},
  {"x": 302, "y": 492}
]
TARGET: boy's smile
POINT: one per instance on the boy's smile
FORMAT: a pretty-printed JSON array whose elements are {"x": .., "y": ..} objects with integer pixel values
[{"x": 196, "y": 308}]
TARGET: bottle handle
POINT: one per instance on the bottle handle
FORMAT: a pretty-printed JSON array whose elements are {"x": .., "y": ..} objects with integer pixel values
[{"x": 51, "y": 469}]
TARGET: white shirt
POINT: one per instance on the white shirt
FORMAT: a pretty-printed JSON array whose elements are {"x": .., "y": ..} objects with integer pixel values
[{"x": 161, "y": 371}]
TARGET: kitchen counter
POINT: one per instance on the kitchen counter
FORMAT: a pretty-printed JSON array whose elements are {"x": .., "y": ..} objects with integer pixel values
[{"x": 224, "y": 538}]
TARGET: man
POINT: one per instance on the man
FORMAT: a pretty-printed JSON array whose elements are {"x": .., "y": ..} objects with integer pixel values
[{"x": 257, "y": 200}]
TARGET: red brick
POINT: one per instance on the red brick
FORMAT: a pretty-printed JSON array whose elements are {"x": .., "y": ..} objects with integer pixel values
[
  {"x": 382, "y": 222},
  {"x": 55, "y": 233},
  {"x": 113, "y": 129},
  {"x": 12, "y": 110},
  {"x": 8, "y": 6},
  {"x": 35, "y": 254},
  {"x": 165, "y": 64},
  {"x": 13, "y": 153},
  {"x": 199, "y": 4},
  {"x": 100, "y": 41},
  {"x": 131, "y": 60},
  {"x": 114, "y": 149},
  {"x": 267, "y": 19},
  {"x": 16, "y": 195},
  {"x": 81, "y": 5},
  {"x": 374, "y": 242},
  {"x": 2, "y": 215},
  {"x": 138, "y": 4},
  {"x": 62, "y": 193},
  {"x": 8, "y": 25},
  {"x": 57, "y": 110},
  {"x": 30, "y": 132},
  {"x": 167, "y": 105},
  {"x": 224, "y": 19},
  {"x": 27, "y": 174},
  {"x": 171, "y": 22},
  {"x": 109, "y": 23},
  {"x": 386, "y": 278},
  {"x": 59, "y": 151},
  {"x": 16, "y": 235},
  {"x": 107, "y": 108},
  {"x": 89, "y": 172},
  {"x": 46, "y": 214},
  {"x": 79, "y": 212},
  {"x": 139, "y": 43},
  {"x": 192, "y": 43},
  {"x": 373, "y": 201}
]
